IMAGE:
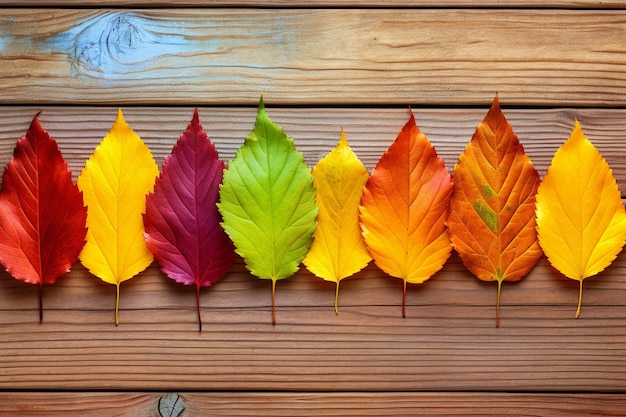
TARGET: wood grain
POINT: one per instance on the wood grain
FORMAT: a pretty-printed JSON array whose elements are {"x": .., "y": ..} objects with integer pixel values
[
  {"x": 355, "y": 64},
  {"x": 448, "y": 341},
  {"x": 228, "y": 404},
  {"x": 595, "y": 4},
  {"x": 313, "y": 56},
  {"x": 316, "y": 130}
]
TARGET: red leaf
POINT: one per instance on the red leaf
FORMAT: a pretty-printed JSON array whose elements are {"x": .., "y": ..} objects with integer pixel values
[
  {"x": 42, "y": 226},
  {"x": 182, "y": 222}
]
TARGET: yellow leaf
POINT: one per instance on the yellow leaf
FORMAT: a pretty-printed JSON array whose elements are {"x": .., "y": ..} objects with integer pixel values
[
  {"x": 338, "y": 250},
  {"x": 581, "y": 222},
  {"x": 114, "y": 182}
]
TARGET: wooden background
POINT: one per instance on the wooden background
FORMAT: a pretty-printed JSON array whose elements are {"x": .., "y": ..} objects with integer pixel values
[{"x": 356, "y": 64}]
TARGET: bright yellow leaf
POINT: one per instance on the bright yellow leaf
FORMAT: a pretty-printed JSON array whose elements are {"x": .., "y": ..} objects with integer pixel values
[
  {"x": 338, "y": 250},
  {"x": 581, "y": 222},
  {"x": 114, "y": 182}
]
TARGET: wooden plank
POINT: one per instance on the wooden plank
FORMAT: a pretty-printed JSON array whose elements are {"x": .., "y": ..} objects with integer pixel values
[
  {"x": 316, "y": 130},
  {"x": 229, "y": 404},
  {"x": 313, "y": 56},
  {"x": 448, "y": 341},
  {"x": 596, "y": 4}
]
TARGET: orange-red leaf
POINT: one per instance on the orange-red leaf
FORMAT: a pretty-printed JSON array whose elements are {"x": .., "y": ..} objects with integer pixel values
[
  {"x": 404, "y": 209},
  {"x": 43, "y": 221},
  {"x": 492, "y": 210}
]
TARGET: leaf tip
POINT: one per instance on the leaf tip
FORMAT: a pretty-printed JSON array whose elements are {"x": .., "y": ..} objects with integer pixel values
[
  {"x": 36, "y": 129},
  {"x": 411, "y": 116},
  {"x": 35, "y": 122},
  {"x": 343, "y": 140},
  {"x": 578, "y": 130},
  {"x": 495, "y": 107},
  {"x": 120, "y": 121}
]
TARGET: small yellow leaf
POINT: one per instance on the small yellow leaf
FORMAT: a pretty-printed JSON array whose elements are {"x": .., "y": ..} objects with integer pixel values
[
  {"x": 581, "y": 222},
  {"x": 114, "y": 182},
  {"x": 338, "y": 250}
]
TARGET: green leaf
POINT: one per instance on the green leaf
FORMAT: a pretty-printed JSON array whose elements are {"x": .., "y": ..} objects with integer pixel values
[{"x": 268, "y": 202}]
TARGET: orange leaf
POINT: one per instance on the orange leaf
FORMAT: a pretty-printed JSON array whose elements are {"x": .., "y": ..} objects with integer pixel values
[
  {"x": 404, "y": 209},
  {"x": 492, "y": 210}
]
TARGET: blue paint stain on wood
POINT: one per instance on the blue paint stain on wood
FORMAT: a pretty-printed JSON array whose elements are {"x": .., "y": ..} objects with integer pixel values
[
  {"x": 119, "y": 47},
  {"x": 118, "y": 42},
  {"x": 110, "y": 46}
]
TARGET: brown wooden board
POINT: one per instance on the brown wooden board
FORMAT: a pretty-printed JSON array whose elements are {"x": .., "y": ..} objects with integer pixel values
[
  {"x": 227, "y": 404},
  {"x": 313, "y": 56},
  {"x": 448, "y": 341},
  {"x": 321, "y": 66},
  {"x": 593, "y": 4}
]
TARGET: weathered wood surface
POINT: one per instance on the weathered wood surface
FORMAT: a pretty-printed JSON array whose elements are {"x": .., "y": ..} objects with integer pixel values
[
  {"x": 595, "y": 4},
  {"x": 316, "y": 130},
  {"x": 553, "y": 57},
  {"x": 316, "y": 404},
  {"x": 448, "y": 341},
  {"x": 356, "y": 65}
]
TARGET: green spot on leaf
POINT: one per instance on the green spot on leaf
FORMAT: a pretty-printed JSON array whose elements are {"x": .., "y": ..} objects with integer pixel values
[
  {"x": 487, "y": 215},
  {"x": 488, "y": 191}
]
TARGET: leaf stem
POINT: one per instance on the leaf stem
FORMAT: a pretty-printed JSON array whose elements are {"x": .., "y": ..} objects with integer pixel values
[
  {"x": 337, "y": 297},
  {"x": 41, "y": 302},
  {"x": 404, "y": 300},
  {"x": 580, "y": 298},
  {"x": 498, "y": 303},
  {"x": 273, "y": 302},
  {"x": 117, "y": 304},
  {"x": 198, "y": 305}
]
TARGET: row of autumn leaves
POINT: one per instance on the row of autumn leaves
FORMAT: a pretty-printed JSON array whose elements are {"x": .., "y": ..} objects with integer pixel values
[{"x": 276, "y": 213}]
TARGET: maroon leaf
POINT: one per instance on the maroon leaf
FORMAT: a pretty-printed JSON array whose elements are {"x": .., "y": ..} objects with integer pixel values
[
  {"x": 182, "y": 221},
  {"x": 43, "y": 220}
]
